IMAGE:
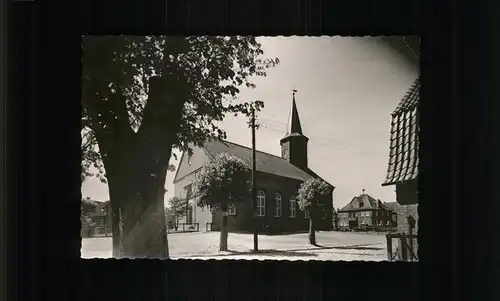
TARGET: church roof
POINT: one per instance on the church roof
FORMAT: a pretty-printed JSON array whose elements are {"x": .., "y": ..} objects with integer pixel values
[
  {"x": 266, "y": 163},
  {"x": 403, "y": 154},
  {"x": 367, "y": 201}
]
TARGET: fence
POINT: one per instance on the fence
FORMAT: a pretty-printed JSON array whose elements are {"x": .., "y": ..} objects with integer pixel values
[
  {"x": 406, "y": 248},
  {"x": 368, "y": 228},
  {"x": 212, "y": 227},
  {"x": 95, "y": 231},
  {"x": 183, "y": 227},
  {"x": 102, "y": 231}
]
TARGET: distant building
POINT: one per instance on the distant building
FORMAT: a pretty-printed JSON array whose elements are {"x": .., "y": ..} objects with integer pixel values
[
  {"x": 278, "y": 180},
  {"x": 403, "y": 157},
  {"x": 97, "y": 217},
  {"x": 364, "y": 210}
]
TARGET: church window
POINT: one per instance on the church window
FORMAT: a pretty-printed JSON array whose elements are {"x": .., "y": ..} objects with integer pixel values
[
  {"x": 188, "y": 189},
  {"x": 261, "y": 203},
  {"x": 285, "y": 152},
  {"x": 293, "y": 208},
  {"x": 277, "y": 199}
]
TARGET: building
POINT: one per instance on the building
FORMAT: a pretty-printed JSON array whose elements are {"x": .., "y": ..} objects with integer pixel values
[
  {"x": 96, "y": 218},
  {"x": 364, "y": 210},
  {"x": 278, "y": 180},
  {"x": 403, "y": 157},
  {"x": 402, "y": 212}
]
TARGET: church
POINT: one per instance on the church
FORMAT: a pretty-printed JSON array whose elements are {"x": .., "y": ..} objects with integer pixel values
[{"x": 277, "y": 179}]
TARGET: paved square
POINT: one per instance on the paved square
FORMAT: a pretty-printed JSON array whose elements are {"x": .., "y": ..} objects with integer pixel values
[{"x": 205, "y": 245}]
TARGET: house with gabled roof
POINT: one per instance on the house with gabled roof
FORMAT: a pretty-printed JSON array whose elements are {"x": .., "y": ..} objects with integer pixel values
[
  {"x": 278, "y": 179},
  {"x": 365, "y": 210},
  {"x": 97, "y": 216},
  {"x": 402, "y": 171}
]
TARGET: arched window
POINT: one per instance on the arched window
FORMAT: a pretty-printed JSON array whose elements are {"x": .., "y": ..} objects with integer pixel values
[
  {"x": 293, "y": 207},
  {"x": 261, "y": 203},
  {"x": 277, "y": 200}
]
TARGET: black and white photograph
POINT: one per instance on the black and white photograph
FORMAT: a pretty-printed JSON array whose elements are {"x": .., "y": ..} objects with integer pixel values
[{"x": 250, "y": 148}]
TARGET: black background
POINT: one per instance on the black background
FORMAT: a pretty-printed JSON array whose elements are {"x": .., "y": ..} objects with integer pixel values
[{"x": 458, "y": 195}]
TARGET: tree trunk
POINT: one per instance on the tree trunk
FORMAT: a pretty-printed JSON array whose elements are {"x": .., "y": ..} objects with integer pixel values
[
  {"x": 114, "y": 198},
  {"x": 136, "y": 166},
  {"x": 144, "y": 226},
  {"x": 312, "y": 232},
  {"x": 223, "y": 230},
  {"x": 115, "y": 229},
  {"x": 138, "y": 213}
]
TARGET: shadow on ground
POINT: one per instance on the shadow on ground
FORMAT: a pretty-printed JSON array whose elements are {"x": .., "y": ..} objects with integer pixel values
[
  {"x": 269, "y": 252},
  {"x": 353, "y": 247}
]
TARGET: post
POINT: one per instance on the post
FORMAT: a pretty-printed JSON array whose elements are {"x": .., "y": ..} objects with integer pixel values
[
  {"x": 410, "y": 232},
  {"x": 389, "y": 247},
  {"x": 254, "y": 187},
  {"x": 403, "y": 247}
]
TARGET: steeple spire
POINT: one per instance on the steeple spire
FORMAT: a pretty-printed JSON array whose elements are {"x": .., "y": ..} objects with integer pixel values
[
  {"x": 293, "y": 125},
  {"x": 294, "y": 144}
]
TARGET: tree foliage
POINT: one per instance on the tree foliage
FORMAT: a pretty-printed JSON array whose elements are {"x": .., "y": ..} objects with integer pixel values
[
  {"x": 310, "y": 194},
  {"x": 87, "y": 206},
  {"x": 223, "y": 179},
  {"x": 203, "y": 74},
  {"x": 177, "y": 207},
  {"x": 169, "y": 216}
]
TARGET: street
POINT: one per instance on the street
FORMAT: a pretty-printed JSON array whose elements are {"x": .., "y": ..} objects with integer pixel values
[{"x": 334, "y": 246}]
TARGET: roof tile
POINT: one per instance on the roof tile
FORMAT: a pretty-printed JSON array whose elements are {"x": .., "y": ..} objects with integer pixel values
[{"x": 404, "y": 139}]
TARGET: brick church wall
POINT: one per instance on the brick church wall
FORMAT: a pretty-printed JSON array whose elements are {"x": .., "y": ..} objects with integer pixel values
[{"x": 270, "y": 185}]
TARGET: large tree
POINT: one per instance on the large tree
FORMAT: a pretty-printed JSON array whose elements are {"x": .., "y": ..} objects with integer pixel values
[
  {"x": 220, "y": 183},
  {"x": 310, "y": 199},
  {"x": 142, "y": 97}
]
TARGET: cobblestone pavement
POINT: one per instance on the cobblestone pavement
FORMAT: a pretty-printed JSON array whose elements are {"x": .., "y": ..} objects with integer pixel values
[{"x": 204, "y": 245}]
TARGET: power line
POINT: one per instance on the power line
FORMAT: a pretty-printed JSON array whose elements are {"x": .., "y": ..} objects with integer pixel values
[
  {"x": 280, "y": 127},
  {"x": 274, "y": 123},
  {"x": 322, "y": 140},
  {"x": 281, "y": 107}
]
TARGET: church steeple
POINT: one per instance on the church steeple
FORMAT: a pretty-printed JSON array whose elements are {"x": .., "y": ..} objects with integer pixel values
[
  {"x": 294, "y": 144},
  {"x": 293, "y": 125}
]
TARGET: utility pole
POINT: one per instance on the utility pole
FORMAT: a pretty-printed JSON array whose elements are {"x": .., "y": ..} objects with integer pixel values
[{"x": 254, "y": 187}]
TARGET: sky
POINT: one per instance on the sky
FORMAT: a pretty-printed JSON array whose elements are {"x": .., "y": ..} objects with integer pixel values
[{"x": 346, "y": 89}]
